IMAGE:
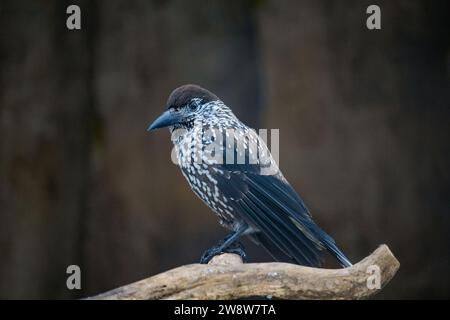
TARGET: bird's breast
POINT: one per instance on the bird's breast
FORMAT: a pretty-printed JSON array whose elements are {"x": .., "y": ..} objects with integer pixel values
[{"x": 202, "y": 176}]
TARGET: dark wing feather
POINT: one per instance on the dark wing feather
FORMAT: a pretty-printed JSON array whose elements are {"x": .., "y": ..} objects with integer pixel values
[{"x": 270, "y": 205}]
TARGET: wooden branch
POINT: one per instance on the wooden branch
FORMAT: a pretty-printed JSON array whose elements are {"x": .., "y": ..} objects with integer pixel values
[{"x": 226, "y": 277}]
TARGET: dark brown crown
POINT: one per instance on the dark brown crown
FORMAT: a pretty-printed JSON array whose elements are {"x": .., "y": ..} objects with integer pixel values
[{"x": 183, "y": 95}]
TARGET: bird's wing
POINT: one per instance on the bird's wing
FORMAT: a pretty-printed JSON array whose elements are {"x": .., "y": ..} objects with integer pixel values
[
  {"x": 267, "y": 202},
  {"x": 269, "y": 205}
]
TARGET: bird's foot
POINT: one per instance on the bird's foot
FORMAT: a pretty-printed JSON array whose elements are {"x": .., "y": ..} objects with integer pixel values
[{"x": 236, "y": 248}]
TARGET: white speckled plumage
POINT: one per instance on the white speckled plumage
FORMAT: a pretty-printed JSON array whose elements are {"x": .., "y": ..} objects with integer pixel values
[{"x": 212, "y": 119}]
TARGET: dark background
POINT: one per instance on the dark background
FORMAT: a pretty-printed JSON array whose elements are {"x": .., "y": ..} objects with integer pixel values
[{"x": 363, "y": 118}]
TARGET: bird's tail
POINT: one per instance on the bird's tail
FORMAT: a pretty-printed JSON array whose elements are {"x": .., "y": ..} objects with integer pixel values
[
  {"x": 331, "y": 246},
  {"x": 334, "y": 250},
  {"x": 320, "y": 237},
  {"x": 284, "y": 223}
]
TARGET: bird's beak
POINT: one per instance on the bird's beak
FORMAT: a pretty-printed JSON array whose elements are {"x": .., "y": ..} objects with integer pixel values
[{"x": 166, "y": 119}]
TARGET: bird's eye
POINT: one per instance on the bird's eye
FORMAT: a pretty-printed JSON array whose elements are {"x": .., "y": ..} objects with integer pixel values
[{"x": 192, "y": 106}]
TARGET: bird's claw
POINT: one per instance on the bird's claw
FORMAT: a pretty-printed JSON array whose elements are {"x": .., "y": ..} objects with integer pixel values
[
  {"x": 236, "y": 248},
  {"x": 209, "y": 254}
]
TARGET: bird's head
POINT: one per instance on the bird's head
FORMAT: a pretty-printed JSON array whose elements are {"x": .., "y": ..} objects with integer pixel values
[{"x": 185, "y": 105}]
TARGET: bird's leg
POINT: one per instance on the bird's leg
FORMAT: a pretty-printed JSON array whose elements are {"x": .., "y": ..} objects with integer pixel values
[{"x": 227, "y": 245}]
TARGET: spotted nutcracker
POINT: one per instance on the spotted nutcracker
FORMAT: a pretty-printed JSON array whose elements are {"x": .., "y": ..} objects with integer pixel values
[{"x": 231, "y": 169}]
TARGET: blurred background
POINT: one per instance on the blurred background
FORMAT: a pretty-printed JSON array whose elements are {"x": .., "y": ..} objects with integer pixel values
[{"x": 363, "y": 118}]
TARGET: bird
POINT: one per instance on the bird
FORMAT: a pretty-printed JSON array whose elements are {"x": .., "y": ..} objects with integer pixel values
[{"x": 230, "y": 168}]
